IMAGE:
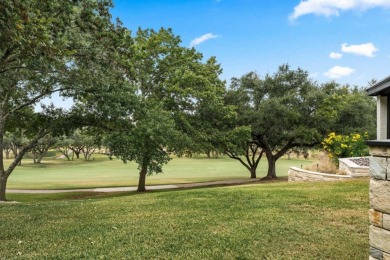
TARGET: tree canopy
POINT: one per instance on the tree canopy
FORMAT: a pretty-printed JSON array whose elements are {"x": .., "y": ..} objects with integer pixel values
[
  {"x": 173, "y": 90},
  {"x": 287, "y": 110},
  {"x": 67, "y": 47},
  {"x": 147, "y": 96},
  {"x": 352, "y": 110}
]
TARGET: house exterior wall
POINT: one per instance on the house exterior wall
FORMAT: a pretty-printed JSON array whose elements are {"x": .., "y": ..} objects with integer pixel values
[
  {"x": 379, "y": 213},
  {"x": 381, "y": 118}
]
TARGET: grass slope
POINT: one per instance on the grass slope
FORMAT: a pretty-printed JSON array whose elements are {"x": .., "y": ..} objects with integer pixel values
[
  {"x": 58, "y": 174},
  {"x": 263, "y": 221}
]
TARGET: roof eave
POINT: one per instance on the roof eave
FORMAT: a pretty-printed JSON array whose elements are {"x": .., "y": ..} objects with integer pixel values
[{"x": 379, "y": 87}]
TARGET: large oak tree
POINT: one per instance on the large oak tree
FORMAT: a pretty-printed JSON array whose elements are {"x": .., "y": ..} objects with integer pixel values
[
  {"x": 287, "y": 110},
  {"x": 173, "y": 88},
  {"x": 283, "y": 110},
  {"x": 67, "y": 47}
]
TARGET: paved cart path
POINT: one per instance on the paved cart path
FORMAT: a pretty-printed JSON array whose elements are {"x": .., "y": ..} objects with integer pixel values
[{"x": 134, "y": 188}]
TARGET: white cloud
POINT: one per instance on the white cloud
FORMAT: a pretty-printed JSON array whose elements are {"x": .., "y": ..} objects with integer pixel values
[
  {"x": 335, "y": 55},
  {"x": 202, "y": 39},
  {"x": 365, "y": 49},
  {"x": 313, "y": 75},
  {"x": 338, "y": 72},
  {"x": 329, "y": 8}
]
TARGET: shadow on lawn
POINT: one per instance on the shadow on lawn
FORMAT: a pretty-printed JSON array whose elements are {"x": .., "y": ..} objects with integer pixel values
[
  {"x": 88, "y": 195},
  {"x": 187, "y": 186},
  {"x": 59, "y": 162}
]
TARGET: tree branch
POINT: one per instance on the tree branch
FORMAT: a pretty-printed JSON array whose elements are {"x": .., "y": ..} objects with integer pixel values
[
  {"x": 35, "y": 99},
  {"x": 247, "y": 155},
  {"x": 258, "y": 158},
  {"x": 282, "y": 151},
  {"x": 231, "y": 155},
  {"x": 253, "y": 152},
  {"x": 12, "y": 68},
  {"x": 25, "y": 149},
  {"x": 6, "y": 55}
]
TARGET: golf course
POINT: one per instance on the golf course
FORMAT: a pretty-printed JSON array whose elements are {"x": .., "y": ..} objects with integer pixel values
[{"x": 262, "y": 220}]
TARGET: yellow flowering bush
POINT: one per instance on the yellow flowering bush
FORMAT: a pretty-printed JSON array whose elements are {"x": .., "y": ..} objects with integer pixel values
[{"x": 342, "y": 146}]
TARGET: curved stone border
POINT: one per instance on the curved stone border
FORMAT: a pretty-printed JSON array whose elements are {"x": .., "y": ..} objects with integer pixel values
[{"x": 299, "y": 175}]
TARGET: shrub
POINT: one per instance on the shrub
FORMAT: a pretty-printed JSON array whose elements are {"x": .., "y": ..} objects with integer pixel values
[
  {"x": 342, "y": 146},
  {"x": 324, "y": 164}
]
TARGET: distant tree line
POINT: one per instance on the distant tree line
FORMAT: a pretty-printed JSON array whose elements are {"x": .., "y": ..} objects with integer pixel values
[{"x": 78, "y": 144}]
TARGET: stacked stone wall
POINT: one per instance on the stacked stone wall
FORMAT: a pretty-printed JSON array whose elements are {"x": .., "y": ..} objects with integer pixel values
[
  {"x": 352, "y": 169},
  {"x": 379, "y": 213},
  {"x": 299, "y": 175}
]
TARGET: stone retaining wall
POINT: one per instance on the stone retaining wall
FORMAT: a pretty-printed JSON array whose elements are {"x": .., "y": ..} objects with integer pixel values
[
  {"x": 379, "y": 212},
  {"x": 299, "y": 175},
  {"x": 352, "y": 169}
]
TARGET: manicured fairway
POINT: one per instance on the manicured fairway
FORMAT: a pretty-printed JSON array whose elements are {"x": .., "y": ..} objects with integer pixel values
[
  {"x": 262, "y": 221},
  {"x": 59, "y": 173}
]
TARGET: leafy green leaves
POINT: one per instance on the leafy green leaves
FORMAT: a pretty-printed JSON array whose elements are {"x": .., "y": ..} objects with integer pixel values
[{"x": 69, "y": 47}]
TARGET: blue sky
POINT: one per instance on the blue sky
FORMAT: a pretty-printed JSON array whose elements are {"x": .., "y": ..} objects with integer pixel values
[{"x": 343, "y": 40}]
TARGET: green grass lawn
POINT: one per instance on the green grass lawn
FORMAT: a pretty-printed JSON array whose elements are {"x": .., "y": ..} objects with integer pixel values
[
  {"x": 258, "y": 221},
  {"x": 59, "y": 173}
]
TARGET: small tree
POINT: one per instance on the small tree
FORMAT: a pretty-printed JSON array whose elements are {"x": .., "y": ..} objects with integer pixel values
[
  {"x": 16, "y": 141},
  {"x": 145, "y": 142},
  {"x": 238, "y": 144},
  {"x": 42, "y": 147},
  {"x": 62, "y": 145},
  {"x": 89, "y": 146},
  {"x": 7, "y": 148},
  {"x": 76, "y": 145}
]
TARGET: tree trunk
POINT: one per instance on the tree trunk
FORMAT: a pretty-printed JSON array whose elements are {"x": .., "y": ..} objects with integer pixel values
[
  {"x": 39, "y": 159},
  {"x": 271, "y": 174},
  {"x": 43, "y": 154},
  {"x": 34, "y": 157},
  {"x": 15, "y": 152},
  {"x": 251, "y": 163},
  {"x": 7, "y": 155},
  {"x": 253, "y": 172},
  {"x": 142, "y": 178},
  {"x": 3, "y": 186}
]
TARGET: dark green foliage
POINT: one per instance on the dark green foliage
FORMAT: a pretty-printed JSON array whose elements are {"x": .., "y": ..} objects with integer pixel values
[
  {"x": 146, "y": 141},
  {"x": 352, "y": 110},
  {"x": 282, "y": 111},
  {"x": 66, "y": 47},
  {"x": 173, "y": 92},
  {"x": 287, "y": 111}
]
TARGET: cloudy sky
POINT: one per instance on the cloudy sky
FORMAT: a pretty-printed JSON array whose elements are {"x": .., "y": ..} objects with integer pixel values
[{"x": 343, "y": 40}]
